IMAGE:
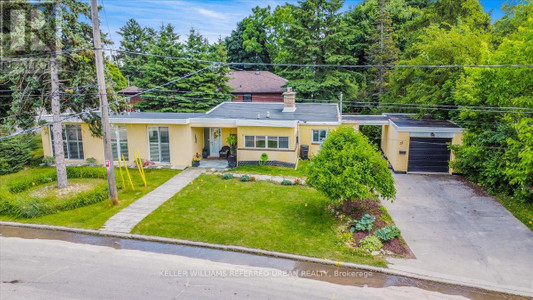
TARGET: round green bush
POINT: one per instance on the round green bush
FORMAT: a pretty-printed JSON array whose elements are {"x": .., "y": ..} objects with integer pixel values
[
  {"x": 245, "y": 178},
  {"x": 227, "y": 176},
  {"x": 349, "y": 167},
  {"x": 286, "y": 182}
]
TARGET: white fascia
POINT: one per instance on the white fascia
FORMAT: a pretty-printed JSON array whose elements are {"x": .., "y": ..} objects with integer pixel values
[
  {"x": 320, "y": 123},
  {"x": 148, "y": 121},
  {"x": 426, "y": 129}
]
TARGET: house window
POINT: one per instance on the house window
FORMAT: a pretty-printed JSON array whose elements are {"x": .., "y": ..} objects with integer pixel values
[
  {"x": 119, "y": 142},
  {"x": 268, "y": 142},
  {"x": 319, "y": 135},
  {"x": 247, "y": 98},
  {"x": 159, "y": 144},
  {"x": 72, "y": 142}
]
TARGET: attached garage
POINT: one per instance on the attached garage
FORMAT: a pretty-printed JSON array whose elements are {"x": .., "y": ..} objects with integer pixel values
[
  {"x": 414, "y": 145},
  {"x": 429, "y": 155}
]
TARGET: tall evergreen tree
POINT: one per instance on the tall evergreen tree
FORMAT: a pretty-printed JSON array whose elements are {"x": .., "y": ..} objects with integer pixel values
[
  {"x": 135, "y": 39},
  {"x": 317, "y": 36}
]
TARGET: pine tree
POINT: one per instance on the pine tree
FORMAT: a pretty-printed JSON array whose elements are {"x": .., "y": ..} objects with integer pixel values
[
  {"x": 135, "y": 39},
  {"x": 318, "y": 35},
  {"x": 382, "y": 51}
]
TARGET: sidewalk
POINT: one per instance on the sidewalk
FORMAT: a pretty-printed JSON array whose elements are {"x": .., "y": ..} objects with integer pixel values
[{"x": 126, "y": 219}]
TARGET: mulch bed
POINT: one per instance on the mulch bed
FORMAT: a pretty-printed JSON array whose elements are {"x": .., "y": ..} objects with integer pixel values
[{"x": 356, "y": 209}]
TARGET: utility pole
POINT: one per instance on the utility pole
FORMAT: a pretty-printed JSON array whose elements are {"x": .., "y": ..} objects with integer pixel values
[
  {"x": 104, "y": 107},
  {"x": 57, "y": 129},
  {"x": 381, "y": 47},
  {"x": 340, "y": 99}
]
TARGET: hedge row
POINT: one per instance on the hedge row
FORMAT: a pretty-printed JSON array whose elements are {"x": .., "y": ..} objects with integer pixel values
[{"x": 18, "y": 206}]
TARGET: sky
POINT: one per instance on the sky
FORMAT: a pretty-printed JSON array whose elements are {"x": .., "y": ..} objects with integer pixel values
[{"x": 213, "y": 18}]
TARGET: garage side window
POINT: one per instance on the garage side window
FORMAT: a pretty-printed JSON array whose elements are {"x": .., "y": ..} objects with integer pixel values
[
  {"x": 72, "y": 142},
  {"x": 319, "y": 135},
  {"x": 159, "y": 144},
  {"x": 119, "y": 142}
]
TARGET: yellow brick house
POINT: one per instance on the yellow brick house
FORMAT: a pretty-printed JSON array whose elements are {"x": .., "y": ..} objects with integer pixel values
[{"x": 283, "y": 130}]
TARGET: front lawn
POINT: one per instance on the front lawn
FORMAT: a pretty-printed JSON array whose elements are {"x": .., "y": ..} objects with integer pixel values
[
  {"x": 95, "y": 215},
  {"x": 291, "y": 219},
  {"x": 274, "y": 171}
]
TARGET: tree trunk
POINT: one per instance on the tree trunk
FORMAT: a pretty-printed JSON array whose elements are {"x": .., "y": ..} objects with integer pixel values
[
  {"x": 61, "y": 168},
  {"x": 57, "y": 128}
]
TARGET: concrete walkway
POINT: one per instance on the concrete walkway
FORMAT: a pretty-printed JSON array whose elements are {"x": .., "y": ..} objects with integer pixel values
[
  {"x": 458, "y": 232},
  {"x": 126, "y": 219}
]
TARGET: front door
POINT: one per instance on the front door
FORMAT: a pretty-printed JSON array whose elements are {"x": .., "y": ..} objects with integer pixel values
[{"x": 215, "y": 141}]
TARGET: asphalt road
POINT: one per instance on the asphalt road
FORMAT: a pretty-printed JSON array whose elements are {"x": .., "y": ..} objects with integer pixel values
[{"x": 46, "y": 269}]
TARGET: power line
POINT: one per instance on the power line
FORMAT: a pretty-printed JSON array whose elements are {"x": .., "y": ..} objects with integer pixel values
[
  {"x": 69, "y": 116},
  {"x": 390, "y": 66}
]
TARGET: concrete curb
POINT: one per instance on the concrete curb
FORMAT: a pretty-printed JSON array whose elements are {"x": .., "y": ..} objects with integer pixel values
[{"x": 418, "y": 274}]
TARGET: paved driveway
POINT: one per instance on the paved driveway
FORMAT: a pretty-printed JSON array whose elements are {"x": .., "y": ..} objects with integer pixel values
[{"x": 458, "y": 233}]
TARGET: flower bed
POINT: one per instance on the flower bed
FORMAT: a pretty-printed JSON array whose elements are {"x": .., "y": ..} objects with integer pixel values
[{"x": 355, "y": 210}]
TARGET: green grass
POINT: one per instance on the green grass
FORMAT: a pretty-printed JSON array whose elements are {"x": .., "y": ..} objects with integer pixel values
[
  {"x": 275, "y": 171},
  {"x": 94, "y": 216},
  {"x": 523, "y": 211},
  {"x": 291, "y": 219}
]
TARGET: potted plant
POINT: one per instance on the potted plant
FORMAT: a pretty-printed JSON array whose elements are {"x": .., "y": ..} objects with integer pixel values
[
  {"x": 196, "y": 160},
  {"x": 205, "y": 153},
  {"x": 232, "y": 158}
]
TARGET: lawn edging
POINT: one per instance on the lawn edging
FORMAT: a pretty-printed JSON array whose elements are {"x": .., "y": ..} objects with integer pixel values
[
  {"x": 416, "y": 274},
  {"x": 263, "y": 177}
]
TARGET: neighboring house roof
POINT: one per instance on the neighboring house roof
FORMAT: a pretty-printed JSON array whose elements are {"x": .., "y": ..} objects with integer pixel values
[
  {"x": 403, "y": 121},
  {"x": 250, "y": 82},
  {"x": 130, "y": 90},
  {"x": 306, "y": 112}
]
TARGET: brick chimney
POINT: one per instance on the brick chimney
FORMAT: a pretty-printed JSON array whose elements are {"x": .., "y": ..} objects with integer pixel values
[{"x": 289, "y": 101}]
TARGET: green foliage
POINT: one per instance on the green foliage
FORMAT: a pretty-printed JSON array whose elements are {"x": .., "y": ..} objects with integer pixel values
[
  {"x": 497, "y": 150},
  {"x": 264, "y": 159},
  {"x": 249, "y": 42},
  {"x": 15, "y": 153},
  {"x": 91, "y": 160},
  {"x": 370, "y": 243},
  {"x": 23, "y": 207},
  {"x": 49, "y": 160},
  {"x": 365, "y": 224},
  {"x": 245, "y": 178},
  {"x": 198, "y": 92},
  {"x": 286, "y": 182},
  {"x": 349, "y": 167},
  {"x": 29, "y": 79},
  {"x": 118, "y": 79},
  {"x": 22, "y": 184},
  {"x": 387, "y": 233},
  {"x": 227, "y": 176}
]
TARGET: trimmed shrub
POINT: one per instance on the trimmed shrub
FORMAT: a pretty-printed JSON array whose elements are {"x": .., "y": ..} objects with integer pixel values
[
  {"x": 15, "y": 153},
  {"x": 286, "y": 182},
  {"x": 370, "y": 244},
  {"x": 349, "y": 167},
  {"x": 387, "y": 233},
  {"x": 245, "y": 178},
  {"x": 227, "y": 176},
  {"x": 48, "y": 160}
]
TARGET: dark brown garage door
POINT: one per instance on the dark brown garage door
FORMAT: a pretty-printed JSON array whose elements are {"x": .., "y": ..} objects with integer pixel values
[{"x": 428, "y": 155}]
